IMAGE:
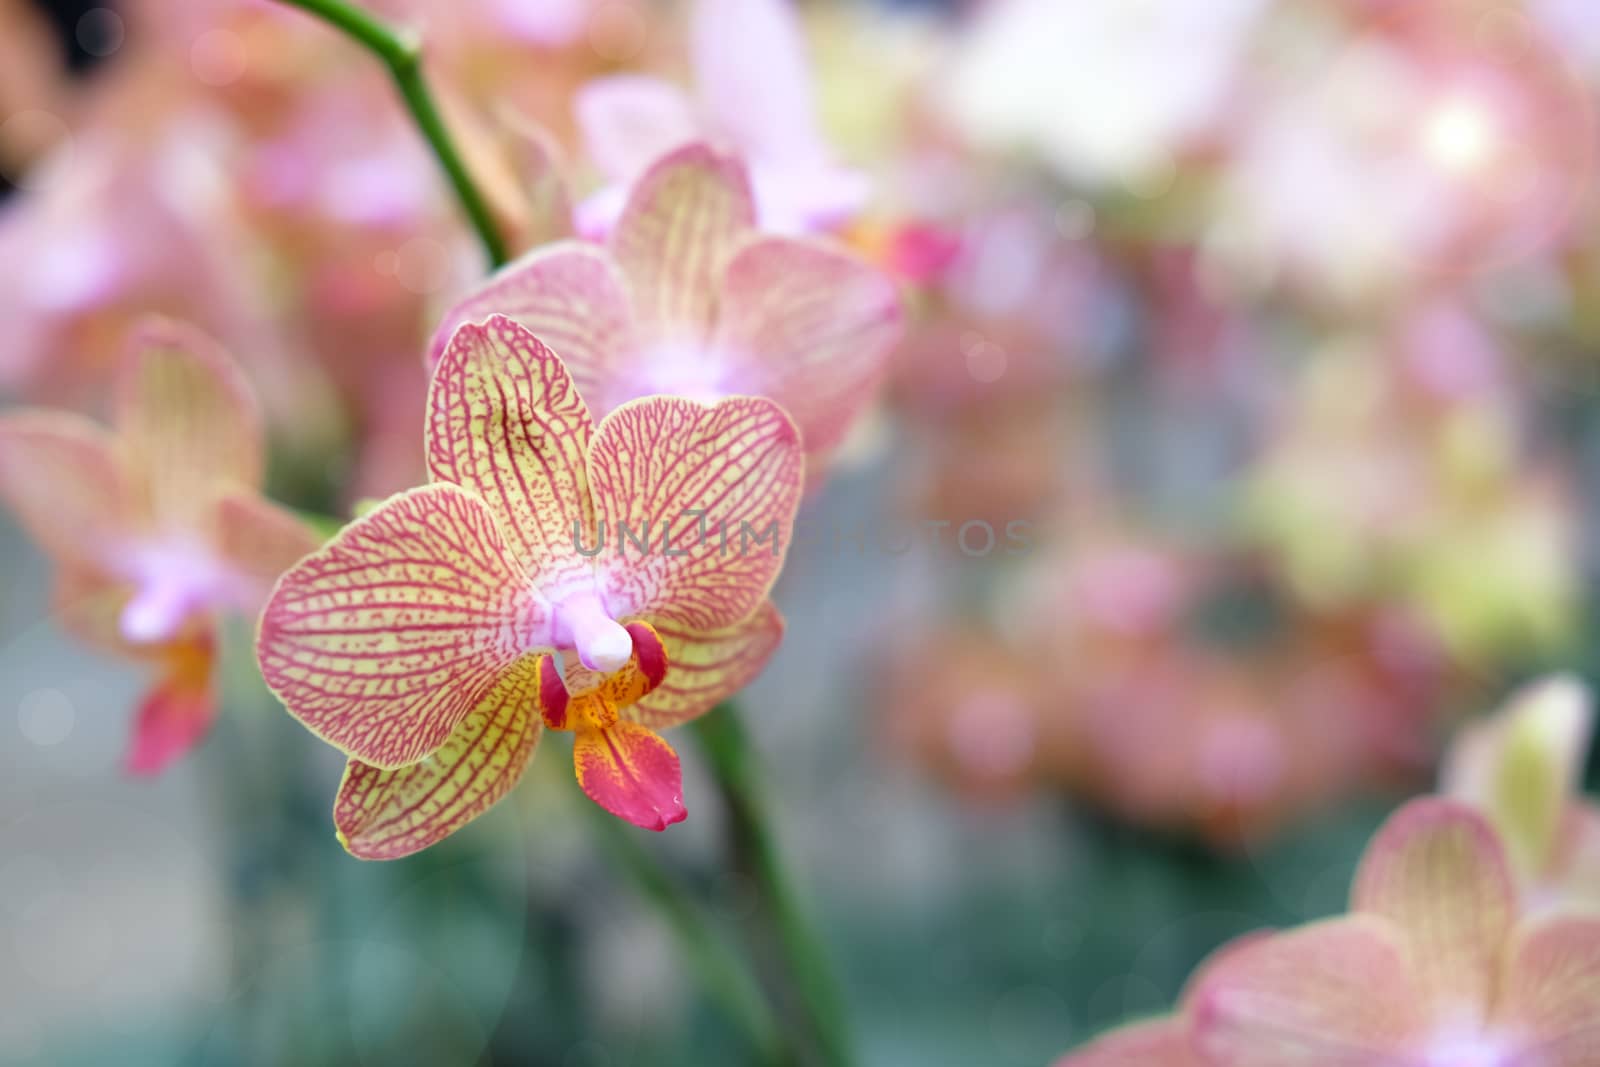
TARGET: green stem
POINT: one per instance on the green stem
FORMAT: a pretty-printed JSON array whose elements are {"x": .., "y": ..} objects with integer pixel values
[
  {"x": 401, "y": 51},
  {"x": 721, "y": 971},
  {"x": 722, "y": 736}
]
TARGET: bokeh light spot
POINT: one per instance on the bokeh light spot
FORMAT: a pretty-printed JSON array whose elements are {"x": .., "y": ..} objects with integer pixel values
[
  {"x": 46, "y": 717},
  {"x": 100, "y": 31}
]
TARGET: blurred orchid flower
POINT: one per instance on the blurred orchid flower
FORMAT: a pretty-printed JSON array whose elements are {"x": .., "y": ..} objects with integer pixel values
[
  {"x": 425, "y": 639},
  {"x": 1523, "y": 769},
  {"x": 158, "y": 526},
  {"x": 688, "y": 300},
  {"x": 753, "y": 95},
  {"x": 1434, "y": 966}
]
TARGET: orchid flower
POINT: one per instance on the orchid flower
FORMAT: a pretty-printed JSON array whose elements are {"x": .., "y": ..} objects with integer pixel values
[
  {"x": 433, "y": 639},
  {"x": 1523, "y": 769},
  {"x": 156, "y": 527},
  {"x": 1433, "y": 968},
  {"x": 688, "y": 300},
  {"x": 753, "y": 95}
]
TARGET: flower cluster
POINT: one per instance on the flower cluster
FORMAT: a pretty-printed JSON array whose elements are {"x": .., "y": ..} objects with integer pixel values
[{"x": 1470, "y": 939}]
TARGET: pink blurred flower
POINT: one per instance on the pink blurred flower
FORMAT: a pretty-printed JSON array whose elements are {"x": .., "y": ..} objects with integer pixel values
[
  {"x": 753, "y": 96},
  {"x": 157, "y": 528},
  {"x": 1434, "y": 966},
  {"x": 688, "y": 299}
]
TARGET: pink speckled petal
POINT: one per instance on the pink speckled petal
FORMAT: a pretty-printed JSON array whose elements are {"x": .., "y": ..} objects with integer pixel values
[
  {"x": 697, "y": 503},
  {"x": 505, "y": 420},
  {"x": 384, "y": 815},
  {"x": 385, "y": 639}
]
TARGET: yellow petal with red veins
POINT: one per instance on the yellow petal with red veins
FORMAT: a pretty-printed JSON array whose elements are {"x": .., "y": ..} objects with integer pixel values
[
  {"x": 1333, "y": 994},
  {"x": 1437, "y": 871},
  {"x": 60, "y": 475},
  {"x": 383, "y": 815},
  {"x": 505, "y": 421},
  {"x": 697, "y": 504},
  {"x": 681, "y": 223},
  {"x": 631, "y": 772},
  {"x": 188, "y": 420},
  {"x": 1551, "y": 992},
  {"x": 385, "y": 639},
  {"x": 708, "y": 667}
]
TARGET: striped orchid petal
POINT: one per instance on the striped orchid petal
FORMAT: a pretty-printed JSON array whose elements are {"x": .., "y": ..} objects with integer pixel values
[
  {"x": 1437, "y": 871},
  {"x": 570, "y": 295},
  {"x": 708, "y": 667},
  {"x": 384, "y": 640},
  {"x": 813, "y": 326},
  {"x": 384, "y": 815},
  {"x": 697, "y": 504},
  {"x": 505, "y": 420},
  {"x": 682, "y": 221},
  {"x": 187, "y": 420},
  {"x": 60, "y": 475}
]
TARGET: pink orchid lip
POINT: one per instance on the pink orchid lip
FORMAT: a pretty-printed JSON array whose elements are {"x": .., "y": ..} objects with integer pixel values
[{"x": 581, "y": 621}]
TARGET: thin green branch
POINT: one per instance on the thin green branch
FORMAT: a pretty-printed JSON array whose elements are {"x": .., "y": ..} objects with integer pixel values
[
  {"x": 722, "y": 736},
  {"x": 401, "y": 52},
  {"x": 721, "y": 971}
]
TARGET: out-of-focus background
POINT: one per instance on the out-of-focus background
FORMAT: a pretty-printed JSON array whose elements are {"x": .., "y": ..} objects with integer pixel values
[{"x": 1243, "y": 443}]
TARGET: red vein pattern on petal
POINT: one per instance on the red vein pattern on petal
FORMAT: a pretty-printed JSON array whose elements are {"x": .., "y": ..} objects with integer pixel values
[
  {"x": 386, "y": 638},
  {"x": 505, "y": 420},
  {"x": 384, "y": 815},
  {"x": 1437, "y": 871},
  {"x": 683, "y": 218},
  {"x": 814, "y": 327},
  {"x": 676, "y": 474},
  {"x": 707, "y": 667},
  {"x": 631, "y": 772},
  {"x": 60, "y": 475},
  {"x": 569, "y": 295},
  {"x": 188, "y": 420}
]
